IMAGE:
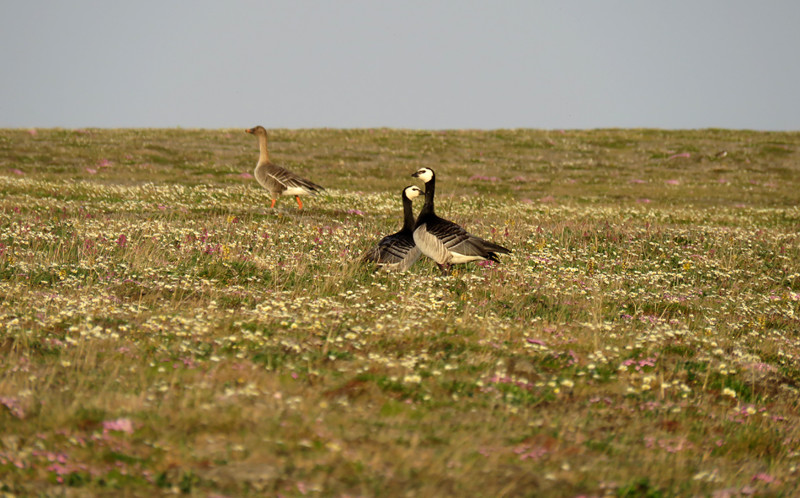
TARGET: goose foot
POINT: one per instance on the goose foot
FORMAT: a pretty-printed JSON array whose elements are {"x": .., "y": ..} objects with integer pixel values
[{"x": 299, "y": 202}]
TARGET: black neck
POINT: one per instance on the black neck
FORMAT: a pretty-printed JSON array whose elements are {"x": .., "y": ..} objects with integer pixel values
[
  {"x": 430, "y": 188},
  {"x": 408, "y": 214}
]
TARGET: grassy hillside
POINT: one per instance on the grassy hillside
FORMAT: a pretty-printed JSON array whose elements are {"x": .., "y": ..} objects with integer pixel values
[{"x": 163, "y": 331}]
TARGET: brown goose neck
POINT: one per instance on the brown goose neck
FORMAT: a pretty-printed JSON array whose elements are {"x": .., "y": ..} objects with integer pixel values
[{"x": 263, "y": 156}]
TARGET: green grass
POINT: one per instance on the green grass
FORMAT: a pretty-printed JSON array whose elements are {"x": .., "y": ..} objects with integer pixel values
[{"x": 163, "y": 331}]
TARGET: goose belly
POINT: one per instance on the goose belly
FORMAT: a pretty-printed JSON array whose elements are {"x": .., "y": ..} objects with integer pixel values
[
  {"x": 461, "y": 258},
  {"x": 295, "y": 191},
  {"x": 431, "y": 246}
]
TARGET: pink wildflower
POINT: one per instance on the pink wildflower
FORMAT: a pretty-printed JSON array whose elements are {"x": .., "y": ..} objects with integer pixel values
[
  {"x": 764, "y": 477},
  {"x": 761, "y": 367},
  {"x": 484, "y": 178},
  {"x": 59, "y": 469},
  {"x": 534, "y": 454},
  {"x": 528, "y": 452},
  {"x": 120, "y": 424},
  {"x": 13, "y": 406}
]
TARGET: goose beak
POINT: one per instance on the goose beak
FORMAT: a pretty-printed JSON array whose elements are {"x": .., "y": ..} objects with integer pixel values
[
  {"x": 415, "y": 175},
  {"x": 250, "y": 130}
]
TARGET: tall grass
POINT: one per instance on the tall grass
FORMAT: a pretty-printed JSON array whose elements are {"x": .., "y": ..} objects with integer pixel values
[{"x": 164, "y": 331}]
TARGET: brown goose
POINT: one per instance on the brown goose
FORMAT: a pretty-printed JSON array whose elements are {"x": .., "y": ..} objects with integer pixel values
[
  {"x": 276, "y": 179},
  {"x": 398, "y": 251},
  {"x": 444, "y": 241}
]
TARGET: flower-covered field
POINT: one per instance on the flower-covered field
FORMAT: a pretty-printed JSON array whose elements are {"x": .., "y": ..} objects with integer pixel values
[{"x": 163, "y": 331}]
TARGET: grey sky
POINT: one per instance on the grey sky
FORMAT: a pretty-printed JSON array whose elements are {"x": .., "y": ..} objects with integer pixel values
[{"x": 418, "y": 64}]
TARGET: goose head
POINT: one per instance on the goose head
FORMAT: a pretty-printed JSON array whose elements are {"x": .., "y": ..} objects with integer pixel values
[
  {"x": 258, "y": 130},
  {"x": 412, "y": 192},
  {"x": 424, "y": 174}
]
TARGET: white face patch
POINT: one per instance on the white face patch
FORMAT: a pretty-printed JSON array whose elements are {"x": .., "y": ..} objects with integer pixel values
[
  {"x": 413, "y": 192},
  {"x": 425, "y": 174}
]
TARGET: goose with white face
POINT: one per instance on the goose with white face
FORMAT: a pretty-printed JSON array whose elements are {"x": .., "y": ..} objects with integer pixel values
[
  {"x": 398, "y": 250},
  {"x": 443, "y": 241},
  {"x": 424, "y": 174},
  {"x": 412, "y": 192}
]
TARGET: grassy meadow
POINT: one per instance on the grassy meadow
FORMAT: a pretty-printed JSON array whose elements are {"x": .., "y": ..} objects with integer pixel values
[{"x": 162, "y": 331}]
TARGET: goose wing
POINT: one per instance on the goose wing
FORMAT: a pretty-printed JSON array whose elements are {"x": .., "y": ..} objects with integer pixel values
[
  {"x": 457, "y": 240},
  {"x": 393, "y": 249},
  {"x": 290, "y": 180}
]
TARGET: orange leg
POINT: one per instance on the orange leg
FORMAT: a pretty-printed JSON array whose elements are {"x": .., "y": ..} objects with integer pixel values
[
  {"x": 273, "y": 203},
  {"x": 299, "y": 202}
]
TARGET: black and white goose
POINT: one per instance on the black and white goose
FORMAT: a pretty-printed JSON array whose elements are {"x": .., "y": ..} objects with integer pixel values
[
  {"x": 276, "y": 179},
  {"x": 444, "y": 241},
  {"x": 398, "y": 251}
]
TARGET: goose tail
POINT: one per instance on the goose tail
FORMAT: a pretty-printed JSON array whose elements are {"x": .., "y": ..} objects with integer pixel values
[
  {"x": 493, "y": 248},
  {"x": 311, "y": 187}
]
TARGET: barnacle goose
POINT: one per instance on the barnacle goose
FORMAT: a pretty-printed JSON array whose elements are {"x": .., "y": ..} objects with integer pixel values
[
  {"x": 398, "y": 251},
  {"x": 444, "y": 241}
]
